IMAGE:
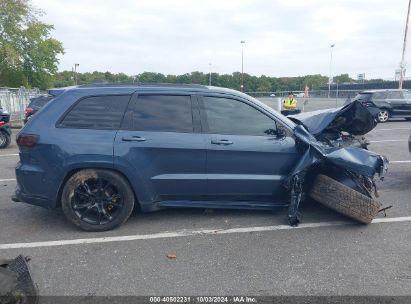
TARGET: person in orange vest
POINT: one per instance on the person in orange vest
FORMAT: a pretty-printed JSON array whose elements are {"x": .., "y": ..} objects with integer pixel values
[{"x": 290, "y": 103}]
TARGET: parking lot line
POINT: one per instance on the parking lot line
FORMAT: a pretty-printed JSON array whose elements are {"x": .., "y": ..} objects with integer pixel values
[
  {"x": 376, "y": 129},
  {"x": 7, "y": 180},
  {"x": 389, "y": 140},
  {"x": 400, "y": 161},
  {"x": 4, "y": 155},
  {"x": 183, "y": 233}
]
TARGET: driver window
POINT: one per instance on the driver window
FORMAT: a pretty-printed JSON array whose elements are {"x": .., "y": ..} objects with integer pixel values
[{"x": 230, "y": 116}]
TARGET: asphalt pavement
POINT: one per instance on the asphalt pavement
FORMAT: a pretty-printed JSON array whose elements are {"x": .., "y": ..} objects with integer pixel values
[{"x": 222, "y": 252}]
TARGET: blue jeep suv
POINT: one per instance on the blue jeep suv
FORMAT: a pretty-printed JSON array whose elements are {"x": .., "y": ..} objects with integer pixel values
[{"x": 100, "y": 151}]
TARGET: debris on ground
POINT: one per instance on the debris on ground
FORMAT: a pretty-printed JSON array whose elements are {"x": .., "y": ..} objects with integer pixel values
[{"x": 16, "y": 284}]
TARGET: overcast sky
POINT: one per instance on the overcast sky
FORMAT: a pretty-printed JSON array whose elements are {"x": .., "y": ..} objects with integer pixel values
[{"x": 283, "y": 37}]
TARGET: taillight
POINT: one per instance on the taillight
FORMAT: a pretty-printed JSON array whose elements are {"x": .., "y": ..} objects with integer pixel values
[
  {"x": 27, "y": 140},
  {"x": 2, "y": 123},
  {"x": 29, "y": 111}
]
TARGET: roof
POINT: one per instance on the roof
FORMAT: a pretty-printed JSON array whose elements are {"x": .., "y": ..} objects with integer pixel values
[{"x": 129, "y": 88}]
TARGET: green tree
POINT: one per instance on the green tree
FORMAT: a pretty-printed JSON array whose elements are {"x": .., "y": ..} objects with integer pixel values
[
  {"x": 343, "y": 78},
  {"x": 28, "y": 55}
]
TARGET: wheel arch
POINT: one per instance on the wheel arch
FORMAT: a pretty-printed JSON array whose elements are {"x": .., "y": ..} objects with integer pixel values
[{"x": 75, "y": 170}]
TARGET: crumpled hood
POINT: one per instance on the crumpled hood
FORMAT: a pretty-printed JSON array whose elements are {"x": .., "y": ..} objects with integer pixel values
[
  {"x": 353, "y": 159},
  {"x": 353, "y": 118}
]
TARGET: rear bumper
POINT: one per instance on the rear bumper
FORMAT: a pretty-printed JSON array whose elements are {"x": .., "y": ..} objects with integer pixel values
[
  {"x": 34, "y": 187},
  {"x": 19, "y": 196}
]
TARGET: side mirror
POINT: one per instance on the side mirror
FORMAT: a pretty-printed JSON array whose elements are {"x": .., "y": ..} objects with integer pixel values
[{"x": 281, "y": 131}]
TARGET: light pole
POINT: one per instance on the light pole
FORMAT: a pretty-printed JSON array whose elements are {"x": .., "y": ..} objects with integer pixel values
[
  {"x": 402, "y": 64},
  {"x": 209, "y": 76},
  {"x": 75, "y": 72},
  {"x": 242, "y": 65},
  {"x": 329, "y": 78}
]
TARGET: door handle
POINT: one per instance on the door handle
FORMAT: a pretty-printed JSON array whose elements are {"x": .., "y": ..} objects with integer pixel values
[
  {"x": 133, "y": 138},
  {"x": 225, "y": 142}
]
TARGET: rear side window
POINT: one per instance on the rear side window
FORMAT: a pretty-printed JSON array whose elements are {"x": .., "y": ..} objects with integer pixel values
[
  {"x": 407, "y": 94},
  {"x": 379, "y": 95},
  {"x": 97, "y": 112},
  {"x": 394, "y": 95},
  {"x": 166, "y": 113}
]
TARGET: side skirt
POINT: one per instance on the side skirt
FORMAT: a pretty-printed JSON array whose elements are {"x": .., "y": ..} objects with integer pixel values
[{"x": 223, "y": 205}]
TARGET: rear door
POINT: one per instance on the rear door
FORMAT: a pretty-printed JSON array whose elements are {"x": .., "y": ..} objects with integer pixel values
[
  {"x": 246, "y": 160},
  {"x": 160, "y": 144}
]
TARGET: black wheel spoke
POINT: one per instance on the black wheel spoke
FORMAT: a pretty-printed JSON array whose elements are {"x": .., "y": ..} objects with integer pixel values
[
  {"x": 81, "y": 192},
  {"x": 81, "y": 206},
  {"x": 97, "y": 201},
  {"x": 100, "y": 185},
  {"x": 86, "y": 211},
  {"x": 87, "y": 188},
  {"x": 99, "y": 217},
  {"x": 106, "y": 214}
]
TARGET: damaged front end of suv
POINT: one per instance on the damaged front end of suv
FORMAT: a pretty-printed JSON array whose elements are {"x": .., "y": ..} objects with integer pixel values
[{"x": 335, "y": 169}]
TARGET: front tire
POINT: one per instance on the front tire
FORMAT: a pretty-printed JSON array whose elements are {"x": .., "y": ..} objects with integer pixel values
[
  {"x": 383, "y": 116},
  {"x": 343, "y": 199},
  {"x": 97, "y": 199}
]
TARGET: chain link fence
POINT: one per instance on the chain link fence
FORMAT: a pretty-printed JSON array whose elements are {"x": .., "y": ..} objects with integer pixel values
[
  {"x": 15, "y": 100},
  {"x": 332, "y": 94}
]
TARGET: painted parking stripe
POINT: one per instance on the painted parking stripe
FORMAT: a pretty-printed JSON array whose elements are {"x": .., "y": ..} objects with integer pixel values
[
  {"x": 5, "y": 155},
  {"x": 389, "y": 140},
  {"x": 399, "y": 161},
  {"x": 376, "y": 129},
  {"x": 183, "y": 233},
  {"x": 7, "y": 180}
]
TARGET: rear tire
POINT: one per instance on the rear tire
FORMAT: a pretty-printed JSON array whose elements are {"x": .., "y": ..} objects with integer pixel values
[
  {"x": 97, "y": 199},
  {"x": 5, "y": 140},
  {"x": 383, "y": 116},
  {"x": 343, "y": 199}
]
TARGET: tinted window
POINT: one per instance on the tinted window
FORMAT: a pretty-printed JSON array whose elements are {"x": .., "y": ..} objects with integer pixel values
[
  {"x": 229, "y": 116},
  {"x": 394, "y": 95},
  {"x": 165, "y": 113},
  {"x": 379, "y": 95},
  {"x": 407, "y": 94},
  {"x": 40, "y": 101},
  {"x": 99, "y": 112},
  {"x": 363, "y": 96}
]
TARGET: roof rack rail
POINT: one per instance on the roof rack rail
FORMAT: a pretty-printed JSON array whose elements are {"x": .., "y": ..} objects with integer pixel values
[{"x": 140, "y": 84}]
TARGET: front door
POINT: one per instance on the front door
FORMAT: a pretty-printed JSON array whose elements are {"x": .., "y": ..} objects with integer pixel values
[{"x": 246, "y": 159}]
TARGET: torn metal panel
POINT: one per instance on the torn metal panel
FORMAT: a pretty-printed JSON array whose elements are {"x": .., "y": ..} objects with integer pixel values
[
  {"x": 356, "y": 161},
  {"x": 352, "y": 118}
]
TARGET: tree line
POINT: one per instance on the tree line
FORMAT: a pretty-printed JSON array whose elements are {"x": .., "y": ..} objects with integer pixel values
[{"x": 251, "y": 83}]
